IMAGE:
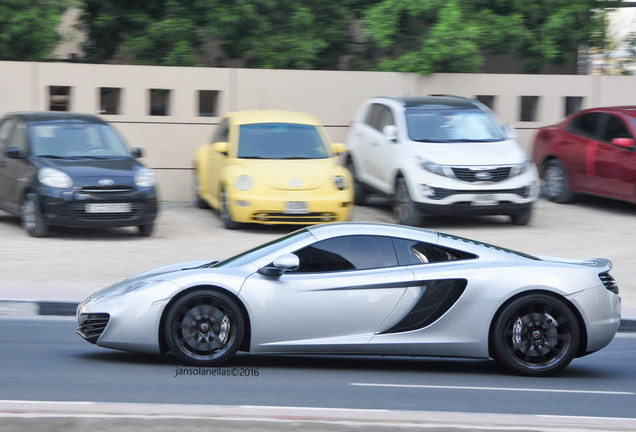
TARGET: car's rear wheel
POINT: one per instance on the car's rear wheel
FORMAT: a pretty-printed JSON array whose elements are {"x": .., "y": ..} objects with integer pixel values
[
  {"x": 536, "y": 335},
  {"x": 204, "y": 328},
  {"x": 32, "y": 220},
  {"x": 224, "y": 212},
  {"x": 556, "y": 186},
  {"x": 359, "y": 189},
  {"x": 405, "y": 210}
]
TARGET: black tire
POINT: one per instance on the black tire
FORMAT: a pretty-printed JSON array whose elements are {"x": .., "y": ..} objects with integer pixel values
[
  {"x": 224, "y": 212},
  {"x": 146, "y": 230},
  {"x": 198, "y": 201},
  {"x": 32, "y": 220},
  {"x": 359, "y": 189},
  {"x": 405, "y": 210},
  {"x": 556, "y": 186},
  {"x": 204, "y": 328},
  {"x": 523, "y": 217},
  {"x": 536, "y": 335}
]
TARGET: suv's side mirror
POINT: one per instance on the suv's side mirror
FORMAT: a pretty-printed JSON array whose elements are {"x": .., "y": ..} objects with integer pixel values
[
  {"x": 623, "y": 142},
  {"x": 14, "y": 153},
  {"x": 282, "y": 263},
  {"x": 137, "y": 152},
  {"x": 390, "y": 131},
  {"x": 221, "y": 147}
]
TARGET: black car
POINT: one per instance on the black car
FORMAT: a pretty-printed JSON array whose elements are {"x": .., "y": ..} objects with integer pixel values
[{"x": 73, "y": 170}]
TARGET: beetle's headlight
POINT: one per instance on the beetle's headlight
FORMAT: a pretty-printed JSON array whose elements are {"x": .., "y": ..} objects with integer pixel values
[
  {"x": 433, "y": 167},
  {"x": 54, "y": 178},
  {"x": 339, "y": 182},
  {"x": 243, "y": 182},
  {"x": 520, "y": 169},
  {"x": 145, "y": 177}
]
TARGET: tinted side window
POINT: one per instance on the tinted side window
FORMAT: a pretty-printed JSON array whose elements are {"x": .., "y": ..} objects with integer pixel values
[
  {"x": 615, "y": 128},
  {"x": 380, "y": 116},
  {"x": 411, "y": 252},
  {"x": 18, "y": 137},
  {"x": 586, "y": 124},
  {"x": 5, "y": 131},
  {"x": 347, "y": 253}
]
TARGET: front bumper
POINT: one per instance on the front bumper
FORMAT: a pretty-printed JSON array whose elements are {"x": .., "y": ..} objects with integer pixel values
[
  {"x": 270, "y": 208},
  {"x": 69, "y": 207}
]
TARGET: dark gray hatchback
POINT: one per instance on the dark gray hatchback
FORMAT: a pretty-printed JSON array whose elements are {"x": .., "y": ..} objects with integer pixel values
[{"x": 73, "y": 170}]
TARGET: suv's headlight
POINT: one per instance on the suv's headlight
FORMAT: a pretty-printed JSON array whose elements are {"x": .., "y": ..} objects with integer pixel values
[
  {"x": 433, "y": 167},
  {"x": 54, "y": 178},
  {"x": 339, "y": 182},
  {"x": 145, "y": 177},
  {"x": 243, "y": 182},
  {"x": 520, "y": 169}
]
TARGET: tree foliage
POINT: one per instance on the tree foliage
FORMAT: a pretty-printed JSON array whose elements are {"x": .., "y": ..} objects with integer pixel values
[{"x": 28, "y": 28}]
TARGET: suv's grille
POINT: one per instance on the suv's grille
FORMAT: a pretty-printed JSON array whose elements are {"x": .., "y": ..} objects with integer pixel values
[
  {"x": 482, "y": 175},
  {"x": 91, "y": 326},
  {"x": 609, "y": 282}
]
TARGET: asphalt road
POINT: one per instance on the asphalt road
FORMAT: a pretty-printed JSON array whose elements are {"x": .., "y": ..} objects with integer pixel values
[{"x": 43, "y": 360}]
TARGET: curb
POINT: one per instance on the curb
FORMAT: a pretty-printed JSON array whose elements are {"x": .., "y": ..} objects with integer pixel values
[{"x": 61, "y": 308}]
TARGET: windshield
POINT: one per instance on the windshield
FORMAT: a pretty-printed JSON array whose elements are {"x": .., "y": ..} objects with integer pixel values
[
  {"x": 76, "y": 139},
  {"x": 448, "y": 126},
  {"x": 281, "y": 141},
  {"x": 264, "y": 249}
]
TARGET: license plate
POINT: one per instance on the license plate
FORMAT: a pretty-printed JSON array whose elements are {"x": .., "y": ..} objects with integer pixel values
[
  {"x": 296, "y": 207},
  {"x": 108, "y": 208},
  {"x": 485, "y": 200}
]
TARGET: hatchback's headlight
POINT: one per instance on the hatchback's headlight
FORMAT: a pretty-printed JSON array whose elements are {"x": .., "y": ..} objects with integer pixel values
[
  {"x": 54, "y": 178},
  {"x": 243, "y": 182},
  {"x": 339, "y": 182},
  {"x": 145, "y": 177},
  {"x": 520, "y": 169},
  {"x": 433, "y": 167}
]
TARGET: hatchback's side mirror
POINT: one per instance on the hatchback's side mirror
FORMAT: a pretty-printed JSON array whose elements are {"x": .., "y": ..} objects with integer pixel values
[
  {"x": 390, "y": 131},
  {"x": 282, "y": 263},
  {"x": 221, "y": 147},
  {"x": 623, "y": 142},
  {"x": 14, "y": 153},
  {"x": 339, "y": 148},
  {"x": 137, "y": 152}
]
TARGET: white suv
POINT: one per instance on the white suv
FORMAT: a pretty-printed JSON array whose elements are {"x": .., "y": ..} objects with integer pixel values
[{"x": 439, "y": 155}]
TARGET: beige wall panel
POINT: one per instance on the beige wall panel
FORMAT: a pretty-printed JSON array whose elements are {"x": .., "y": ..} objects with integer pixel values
[
  {"x": 17, "y": 92},
  {"x": 617, "y": 90}
]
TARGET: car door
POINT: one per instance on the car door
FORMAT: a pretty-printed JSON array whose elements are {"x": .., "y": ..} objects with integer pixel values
[
  {"x": 612, "y": 168},
  {"x": 378, "y": 149},
  {"x": 217, "y": 160},
  {"x": 15, "y": 171},
  {"x": 341, "y": 294},
  {"x": 577, "y": 141}
]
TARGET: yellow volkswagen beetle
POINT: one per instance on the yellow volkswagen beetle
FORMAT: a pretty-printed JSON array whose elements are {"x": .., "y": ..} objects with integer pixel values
[{"x": 272, "y": 167}]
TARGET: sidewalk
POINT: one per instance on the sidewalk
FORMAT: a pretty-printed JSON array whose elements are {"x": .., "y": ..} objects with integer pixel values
[{"x": 49, "y": 276}]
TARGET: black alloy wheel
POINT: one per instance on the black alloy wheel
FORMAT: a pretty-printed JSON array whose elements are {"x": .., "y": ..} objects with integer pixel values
[
  {"x": 536, "y": 335},
  {"x": 204, "y": 328}
]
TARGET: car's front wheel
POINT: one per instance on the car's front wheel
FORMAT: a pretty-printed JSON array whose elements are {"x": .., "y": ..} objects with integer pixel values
[
  {"x": 204, "y": 328},
  {"x": 556, "y": 186},
  {"x": 405, "y": 210},
  {"x": 359, "y": 190},
  {"x": 536, "y": 335},
  {"x": 32, "y": 220},
  {"x": 523, "y": 217},
  {"x": 224, "y": 212}
]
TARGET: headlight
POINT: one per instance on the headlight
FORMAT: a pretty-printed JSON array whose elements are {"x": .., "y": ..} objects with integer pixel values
[
  {"x": 243, "y": 182},
  {"x": 124, "y": 287},
  {"x": 433, "y": 167},
  {"x": 145, "y": 177},
  {"x": 520, "y": 169},
  {"x": 54, "y": 178},
  {"x": 339, "y": 182}
]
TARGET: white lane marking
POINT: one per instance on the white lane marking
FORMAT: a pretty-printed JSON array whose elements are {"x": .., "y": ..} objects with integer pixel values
[{"x": 513, "y": 389}]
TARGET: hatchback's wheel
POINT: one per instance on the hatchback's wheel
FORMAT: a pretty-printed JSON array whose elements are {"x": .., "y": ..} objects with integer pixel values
[
  {"x": 198, "y": 201},
  {"x": 32, "y": 220},
  {"x": 146, "y": 230},
  {"x": 204, "y": 328},
  {"x": 224, "y": 212},
  {"x": 536, "y": 335},
  {"x": 405, "y": 210},
  {"x": 556, "y": 186},
  {"x": 359, "y": 190},
  {"x": 523, "y": 217}
]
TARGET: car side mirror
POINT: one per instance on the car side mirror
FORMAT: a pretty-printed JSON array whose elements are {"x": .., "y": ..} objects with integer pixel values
[
  {"x": 390, "y": 132},
  {"x": 137, "y": 152},
  {"x": 510, "y": 131},
  {"x": 623, "y": 142},
  {"x": 282, "y": 264},
  {"x": 14, "y": 153},
  {"x": 339, "y": 148},
  {"x": 221, "y": 147}
]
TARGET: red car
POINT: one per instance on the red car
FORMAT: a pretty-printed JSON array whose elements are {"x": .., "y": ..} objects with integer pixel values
[{"x": 592, "y": 151}]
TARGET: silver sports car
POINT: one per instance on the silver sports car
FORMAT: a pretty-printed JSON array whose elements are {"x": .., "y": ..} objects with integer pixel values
[{"x": 358, "y": 288}]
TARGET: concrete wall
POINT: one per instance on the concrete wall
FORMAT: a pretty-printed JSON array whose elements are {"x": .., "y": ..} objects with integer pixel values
[{"x": 170, "y": 141}]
